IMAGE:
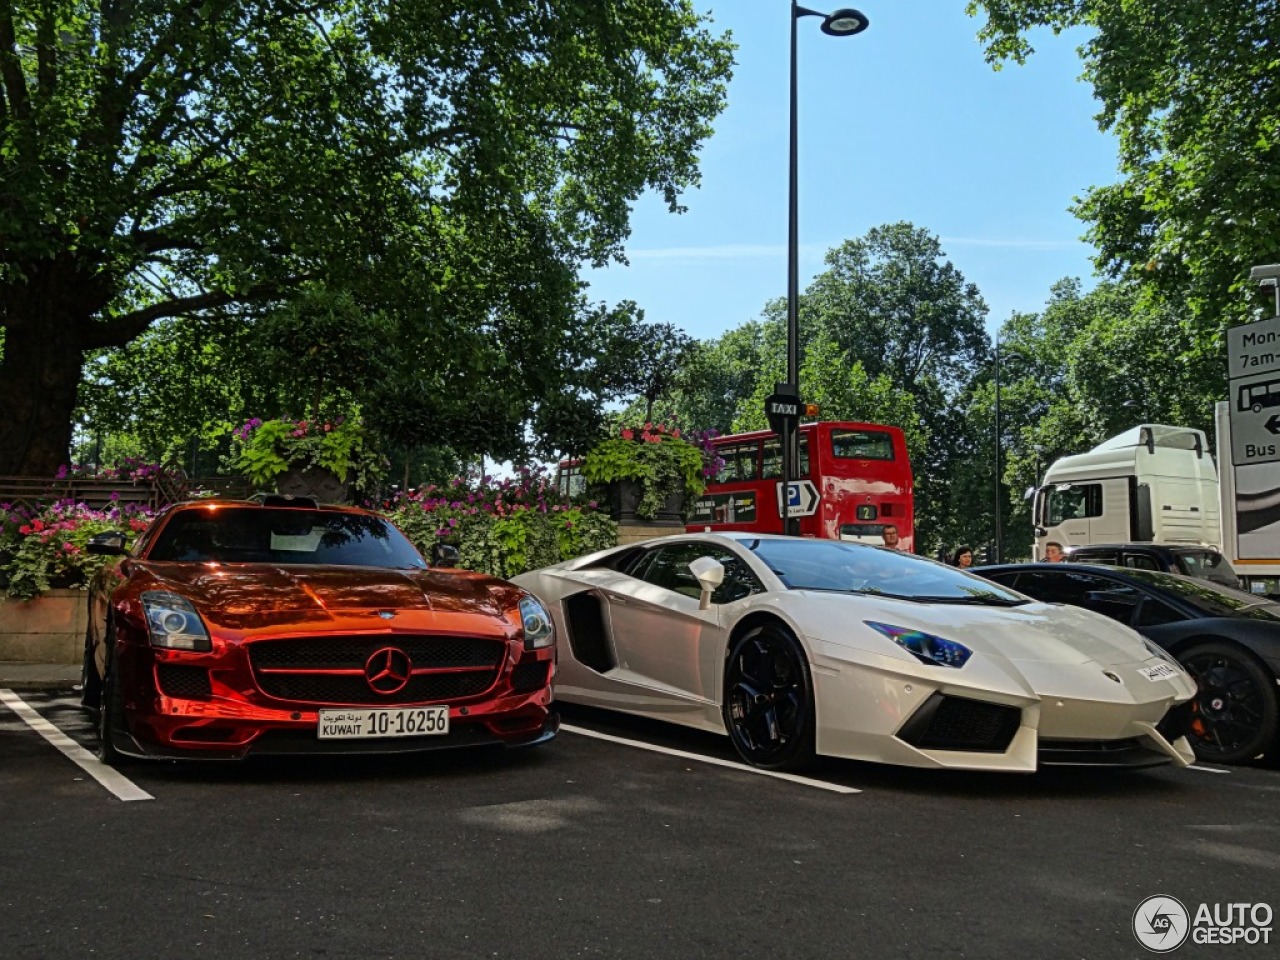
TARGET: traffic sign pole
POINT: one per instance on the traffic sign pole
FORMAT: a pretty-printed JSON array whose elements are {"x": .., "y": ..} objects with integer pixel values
[{"x": 782, "y": 409}]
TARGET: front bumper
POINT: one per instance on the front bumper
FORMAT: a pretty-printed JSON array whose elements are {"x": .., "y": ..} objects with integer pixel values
[
  {"x": 227, "y": 715},
  {"x": 883, "y": 711}
]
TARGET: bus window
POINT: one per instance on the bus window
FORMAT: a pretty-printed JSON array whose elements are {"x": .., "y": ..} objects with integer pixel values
[
  {"x": 861, "y": 445},
  {"x": 773, "y": 458},
  {"x": 740, "y": 462}
]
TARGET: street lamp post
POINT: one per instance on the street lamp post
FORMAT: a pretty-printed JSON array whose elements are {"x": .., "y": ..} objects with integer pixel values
[
  {"x": 843, "y": 23},
  {"x": 996, "y": 557}
]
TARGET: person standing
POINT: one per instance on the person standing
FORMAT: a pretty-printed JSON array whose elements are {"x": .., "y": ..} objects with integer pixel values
[
  {"x": 963, "y": 557},
  {"x": 1053, "y": 552},
  {"x": 891, "y": 538}
]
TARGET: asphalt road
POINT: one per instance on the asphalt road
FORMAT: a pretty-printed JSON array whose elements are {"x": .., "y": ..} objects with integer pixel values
[{"x": 591, "y": 848}]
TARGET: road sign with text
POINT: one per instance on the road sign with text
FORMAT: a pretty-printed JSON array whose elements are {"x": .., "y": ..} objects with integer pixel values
[
  {"x": 782, "y": 408},
  {"x": 1253, "y": 355},
  {"x": 801, "y": 499}
]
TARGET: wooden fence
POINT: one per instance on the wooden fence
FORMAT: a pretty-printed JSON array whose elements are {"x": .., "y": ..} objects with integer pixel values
[{"x": 37, "y": 492}]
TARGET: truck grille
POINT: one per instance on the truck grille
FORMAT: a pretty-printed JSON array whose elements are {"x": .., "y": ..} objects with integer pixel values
[{"x": 331, "y": 670}]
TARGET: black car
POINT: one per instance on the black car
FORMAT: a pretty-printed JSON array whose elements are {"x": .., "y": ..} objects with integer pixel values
[
  {"x": 1227, "y": 639},
  {"x": 1205, "y": 563}
]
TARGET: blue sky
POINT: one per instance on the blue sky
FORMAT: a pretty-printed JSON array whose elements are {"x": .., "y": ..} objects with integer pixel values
[{"x": 905, "y": 121}]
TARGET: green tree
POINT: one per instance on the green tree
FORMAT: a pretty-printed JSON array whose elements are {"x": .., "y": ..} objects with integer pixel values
[
  {"x": 648, "y": 358},
  {"x": 322, "y": 350},
  {"x": 1190, "y": 90},
  {"x": 720, "y": 376},
  {"x": 164, "y": 159},
  {"x": 892, "y": 300}
]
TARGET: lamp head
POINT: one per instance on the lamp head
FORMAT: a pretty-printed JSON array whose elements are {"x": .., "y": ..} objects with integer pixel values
[{"x": 845, "y": 22}]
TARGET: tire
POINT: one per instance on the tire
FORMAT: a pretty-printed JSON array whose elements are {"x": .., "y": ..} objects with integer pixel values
[
  {"x": 1235, "y": 711},
  {"x": 768, "y": 700},
  {"x": 110, "y": 710},
  {"x": 90, "y": 682}
]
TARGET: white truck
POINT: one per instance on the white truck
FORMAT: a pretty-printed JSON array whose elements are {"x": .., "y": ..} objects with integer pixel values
[
  {"x": 1250, "y": 512},
  {"x": 1159, "y": 484},
  {"x": 1152, "y": 483}
]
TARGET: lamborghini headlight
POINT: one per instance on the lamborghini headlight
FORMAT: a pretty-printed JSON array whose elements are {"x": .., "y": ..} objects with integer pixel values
[
  {"x": 925, "y": 647},
  {"x": 173, "y": 622},
  {"x": 536, "y": 621}
]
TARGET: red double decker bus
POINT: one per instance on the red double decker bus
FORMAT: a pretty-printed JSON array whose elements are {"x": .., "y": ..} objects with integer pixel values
[{"x": 860, "y": 470}]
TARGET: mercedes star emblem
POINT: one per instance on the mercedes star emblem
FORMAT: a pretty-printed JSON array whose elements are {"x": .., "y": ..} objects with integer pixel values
[{"x": 388, "y": 670}]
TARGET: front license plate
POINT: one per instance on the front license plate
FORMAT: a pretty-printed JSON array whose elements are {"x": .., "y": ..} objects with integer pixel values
[
  {"x": 383, "y": 722},
  {"x": 1161, "y": 671}
]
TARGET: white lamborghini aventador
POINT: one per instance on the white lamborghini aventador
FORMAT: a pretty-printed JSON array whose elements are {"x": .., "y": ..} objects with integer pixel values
[{"x": 795, "y": 646}]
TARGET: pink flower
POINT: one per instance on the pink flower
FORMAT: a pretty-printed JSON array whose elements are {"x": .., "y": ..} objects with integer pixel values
[{"x": 628, "y": 435}]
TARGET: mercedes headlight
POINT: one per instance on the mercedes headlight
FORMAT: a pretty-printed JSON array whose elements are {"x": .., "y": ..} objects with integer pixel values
[
  {"x": 173, "y": 622},
  {"x": 536, "y": 623},
  {"x": 925, "y": 647}
]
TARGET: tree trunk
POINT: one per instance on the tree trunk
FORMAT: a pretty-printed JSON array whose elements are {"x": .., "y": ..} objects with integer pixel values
[{"x": 44, "y": 320}]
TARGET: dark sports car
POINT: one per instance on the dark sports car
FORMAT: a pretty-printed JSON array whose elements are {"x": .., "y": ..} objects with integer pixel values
[
  {"x": 1227, "y": 639},
  {"x": 281, "y": 626}
]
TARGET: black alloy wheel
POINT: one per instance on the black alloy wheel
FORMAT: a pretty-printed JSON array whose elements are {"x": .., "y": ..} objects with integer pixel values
[
  {"x": 768, "y": 704},
  {"x": 110, "y": 709},
  {"x": 1235, "y": 709},
  {"x": 90, "y": 682}
]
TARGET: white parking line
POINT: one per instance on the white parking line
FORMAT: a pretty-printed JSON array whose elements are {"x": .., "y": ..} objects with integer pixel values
[
  {"x": 714, "y": 761},
  {"x": 1206, "y": 769},
  {"x": 121, "y": 786}
]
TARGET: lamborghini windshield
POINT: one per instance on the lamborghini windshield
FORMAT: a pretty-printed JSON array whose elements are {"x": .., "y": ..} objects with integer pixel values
[{"x": 842, "y": 567}]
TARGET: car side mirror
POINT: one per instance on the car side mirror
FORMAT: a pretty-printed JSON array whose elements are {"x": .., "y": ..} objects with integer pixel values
[
  {"x": 709, "y": 574},
  {"x": 109, "y": 544},
  {"x": 444, "y": 555}
]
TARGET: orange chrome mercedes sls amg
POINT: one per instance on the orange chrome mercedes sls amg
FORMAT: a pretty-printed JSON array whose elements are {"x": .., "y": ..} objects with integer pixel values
[{"x": 280, "y": 626}]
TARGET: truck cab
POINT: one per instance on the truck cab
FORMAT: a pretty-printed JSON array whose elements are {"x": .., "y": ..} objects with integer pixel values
[{"x": 1154, "y": 483}]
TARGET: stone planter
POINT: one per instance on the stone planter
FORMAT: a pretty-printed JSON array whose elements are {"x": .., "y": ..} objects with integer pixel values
[
  {"x": 47, "y": 629},
  {"x": 624, "y": 497},
  {"x": 322, "y": 485}
]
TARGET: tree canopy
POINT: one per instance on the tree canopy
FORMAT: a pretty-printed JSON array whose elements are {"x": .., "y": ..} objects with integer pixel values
[
  {"x": 173, "y": 159},
  {"x": 1193, "y": 92}
]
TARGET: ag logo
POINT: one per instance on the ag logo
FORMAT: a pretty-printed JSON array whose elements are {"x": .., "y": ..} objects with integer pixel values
[{"x": 1161, "y": 924}]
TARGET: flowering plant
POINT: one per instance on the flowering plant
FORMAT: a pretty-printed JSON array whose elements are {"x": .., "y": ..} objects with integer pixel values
[
  {"x": 712, "y": 462},
  {"x": 47, "y": 546},
  {"x": 654, "y": 455},
  {"x": 502, "y": 527},
  {"x": 130, "y": 468},
  {"x": 264, "y": 449}
]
